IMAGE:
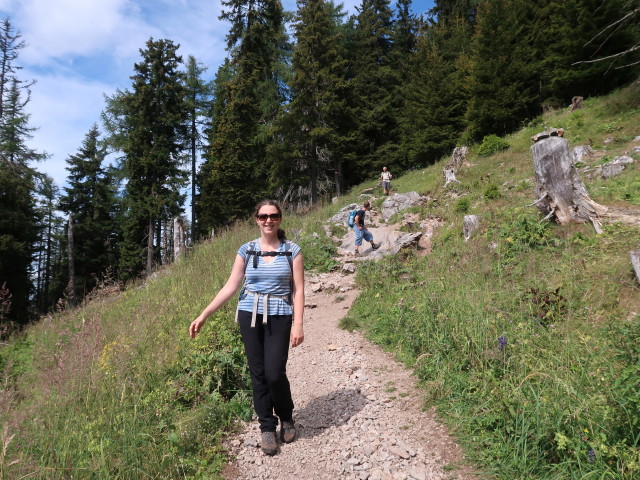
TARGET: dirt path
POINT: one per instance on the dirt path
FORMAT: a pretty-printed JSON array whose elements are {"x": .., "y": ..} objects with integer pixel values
[{"x": 358, "y": 412}]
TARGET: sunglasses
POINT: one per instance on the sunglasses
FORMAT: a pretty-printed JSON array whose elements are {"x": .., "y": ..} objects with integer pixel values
[{"x": 273, "y": 216}]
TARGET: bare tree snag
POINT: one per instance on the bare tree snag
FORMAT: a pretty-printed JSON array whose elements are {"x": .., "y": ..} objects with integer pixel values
[
  {"x": 178, "y": 238},
  {"x": 559, "y": 189},
  {"x": 71, "y": 286},
  {"x": 576, "y": 103},
  {"x": 634, "y": 255},
  {"x": 469, "y": 224}
]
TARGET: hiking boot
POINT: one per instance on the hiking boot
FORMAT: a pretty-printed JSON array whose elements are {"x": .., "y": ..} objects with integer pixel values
[
  {"x": 356, "y": 253},
  {"x": 375, "y": 246},
  {"x": 268, "y": 443},
  {"x": 288, "y": 431}
]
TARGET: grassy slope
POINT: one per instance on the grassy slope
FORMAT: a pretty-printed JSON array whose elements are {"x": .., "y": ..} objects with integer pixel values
[
  {"x": 526, "y": 336},
  {"x": 117, "y": 390}
]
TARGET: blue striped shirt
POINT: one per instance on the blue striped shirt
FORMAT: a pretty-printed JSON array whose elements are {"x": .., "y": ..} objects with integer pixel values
[{"x": 273, "y": 278}]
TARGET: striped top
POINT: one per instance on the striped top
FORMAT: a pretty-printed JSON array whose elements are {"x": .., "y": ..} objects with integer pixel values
[{"x": 273, "y": 278}]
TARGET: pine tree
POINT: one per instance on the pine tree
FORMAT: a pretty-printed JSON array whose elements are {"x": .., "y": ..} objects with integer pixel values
[
  {"x": 305, "y": 155},
  {"x": 149, "y": 124},
  {"x": 504, "y": 85},
  {"x": 258, "y": 47},
  {"x": 199, "y": 93},
  {"x": 90, "y": 198},
  {"x": 435, "y": 96},
  {"x": 375, "y": 97},
  {"x": 18, "y": 218},
  {"x": 568, "y": 32}
]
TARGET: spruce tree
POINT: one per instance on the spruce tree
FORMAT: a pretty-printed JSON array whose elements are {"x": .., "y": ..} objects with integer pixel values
[
  {"x": 375, "y": 94},
  {"x": 505, "y": 69},
  {"x": 305, "y": 153},
  {"x": 258, "y": 48},
  {"x": 199, "y": 93},
  {"x": 149, "y": 124},
  {"x": 90, "y": 198}
]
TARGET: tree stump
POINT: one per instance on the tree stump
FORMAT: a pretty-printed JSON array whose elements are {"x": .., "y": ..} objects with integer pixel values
[
  {"x": 576, "y": 103},
  {"x": 634, "y": 255},
  {"x": 469, "y": 224},
  {"x": 457, "y": 159},
  {"x": 450, "y": 176},
  {"x": 560, "y": 191}
]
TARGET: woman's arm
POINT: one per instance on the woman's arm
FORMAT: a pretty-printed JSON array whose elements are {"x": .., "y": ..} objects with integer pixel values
[
  {"x": 297, "y": 333},
  {"x": 230, "y": 288}
]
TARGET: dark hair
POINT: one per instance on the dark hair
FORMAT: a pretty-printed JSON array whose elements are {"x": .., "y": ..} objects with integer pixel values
[
  {"x": 281, "y": 235},
  {"x": 366, "y": 204}
]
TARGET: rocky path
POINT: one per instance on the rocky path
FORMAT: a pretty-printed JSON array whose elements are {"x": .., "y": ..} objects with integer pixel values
[{"x": 358, "y": 413}]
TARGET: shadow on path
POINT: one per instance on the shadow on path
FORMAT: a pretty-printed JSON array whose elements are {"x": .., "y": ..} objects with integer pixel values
[{"x": 331, "y": 410}]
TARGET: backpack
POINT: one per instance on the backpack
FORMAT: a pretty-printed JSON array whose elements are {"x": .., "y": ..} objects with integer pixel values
[
  {"x": 251, "y": 251},
  {"x": 351, "y": 221}
]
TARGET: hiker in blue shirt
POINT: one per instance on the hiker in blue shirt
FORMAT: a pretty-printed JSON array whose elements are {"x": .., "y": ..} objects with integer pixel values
[
  {"x": 361, "y": 231},
  {"x": 272, "y": 269}
]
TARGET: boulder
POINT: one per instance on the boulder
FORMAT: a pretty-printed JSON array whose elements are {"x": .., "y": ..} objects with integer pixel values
[
  {"x": 580, "y": 152},
  {"x": 611, "y": 170},
  {"x": 400, "y": 201},
  {"x": 343, "y": 215},
  {"x": 408, "y": 240}
]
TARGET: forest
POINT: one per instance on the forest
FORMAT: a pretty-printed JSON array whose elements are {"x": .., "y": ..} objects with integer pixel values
[{"x": 306, "y": 105}]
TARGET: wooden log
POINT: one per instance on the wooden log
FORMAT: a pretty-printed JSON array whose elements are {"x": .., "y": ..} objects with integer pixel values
[
  {"x": 634, "y": 255},
  {"x": 559, "y": 189}
]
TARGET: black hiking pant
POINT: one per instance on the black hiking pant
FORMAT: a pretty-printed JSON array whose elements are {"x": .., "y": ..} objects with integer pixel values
[{"x": 267, "y": 350}]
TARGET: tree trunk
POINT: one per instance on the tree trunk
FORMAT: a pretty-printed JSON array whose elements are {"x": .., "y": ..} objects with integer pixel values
[
  {"x": 178, "y": 238},
  {"x": 150, "y": 247},
  {"x": 71, "y": 286},
  {"x": 559, "y": 189}
]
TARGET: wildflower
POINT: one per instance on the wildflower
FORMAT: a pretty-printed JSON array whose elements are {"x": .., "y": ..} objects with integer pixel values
[
  {"x": 592, "y": 456},
  {"x": 502, "y": 342}
]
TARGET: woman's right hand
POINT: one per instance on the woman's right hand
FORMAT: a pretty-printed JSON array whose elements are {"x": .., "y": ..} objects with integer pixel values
[{"x": 196, "y": 325}]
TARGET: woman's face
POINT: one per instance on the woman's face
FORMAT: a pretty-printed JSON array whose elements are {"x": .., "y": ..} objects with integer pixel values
[{"x": 268, "y": 219}]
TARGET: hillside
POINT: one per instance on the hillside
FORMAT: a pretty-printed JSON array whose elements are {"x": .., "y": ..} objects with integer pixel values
[{"x": 525, "y": 338}]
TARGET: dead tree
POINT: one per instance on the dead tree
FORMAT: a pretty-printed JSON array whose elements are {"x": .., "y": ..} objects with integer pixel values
[
  {"x": 178, "y": 238},
  {"x": 560, "y": 191},
  {"x": 71, "y": 286}
]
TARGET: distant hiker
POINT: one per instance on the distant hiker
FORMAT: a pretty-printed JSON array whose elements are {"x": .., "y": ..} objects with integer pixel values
[
  {"x": 386, "y": 177},
  {"x": 361, "y": 231},
  {"x": 273, "y": 272}
]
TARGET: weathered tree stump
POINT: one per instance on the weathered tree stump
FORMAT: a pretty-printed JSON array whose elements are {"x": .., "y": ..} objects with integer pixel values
[
  {"x": 634, "y": 255},
  {"x": 470, "y": 223},
  {"x": 450, "y": 176},
  {"x": 560, "y": 191},
  {"x": 576, "y": 103}
]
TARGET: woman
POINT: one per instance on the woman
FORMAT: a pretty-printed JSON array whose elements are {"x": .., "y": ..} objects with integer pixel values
[{"x": 273, "y": 273}]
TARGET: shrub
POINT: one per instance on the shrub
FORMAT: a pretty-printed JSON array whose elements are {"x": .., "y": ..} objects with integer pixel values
[
  {"x": 524, "y": 234},
  {"x": 462, "y": 206},
  {"x": 492, "y": 192},
  {"x": 492, "y": 144}
]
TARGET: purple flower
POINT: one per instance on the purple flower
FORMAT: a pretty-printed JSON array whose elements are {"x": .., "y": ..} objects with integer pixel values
[
  {"x": 502, "y": 342},
  {"x": 592, "y": 455}
]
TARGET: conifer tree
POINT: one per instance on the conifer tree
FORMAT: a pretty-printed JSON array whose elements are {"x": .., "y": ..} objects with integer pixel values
[
  {"x": 435, "y": 96},
  {"x": 258, "y": 47},
  {"x": 149, "y": 124},
  {"x": 306, "y": 150},
  {"x": 90, "y": 198},
  {"x": 199, "y": 93},
  {"x": 375, "y": 96},
  {"x": 18, "y": 218},
  {"x": 505, "y": 69}
]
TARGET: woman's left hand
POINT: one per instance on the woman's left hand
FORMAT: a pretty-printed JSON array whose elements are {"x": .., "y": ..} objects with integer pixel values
[{"x": 297, "y": 335}]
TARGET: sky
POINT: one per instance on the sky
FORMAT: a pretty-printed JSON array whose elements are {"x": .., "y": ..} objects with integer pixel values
[{"x": 78, "y": 51}]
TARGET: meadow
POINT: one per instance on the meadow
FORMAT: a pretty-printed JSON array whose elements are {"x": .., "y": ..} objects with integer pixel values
[{"x": 526, "y": 338}]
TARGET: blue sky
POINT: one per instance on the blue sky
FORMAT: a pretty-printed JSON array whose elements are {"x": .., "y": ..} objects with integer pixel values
[{"x": 80, "y": 50}]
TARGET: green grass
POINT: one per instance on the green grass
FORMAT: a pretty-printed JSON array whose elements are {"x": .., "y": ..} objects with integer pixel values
[{"x": 523, "y": 337}]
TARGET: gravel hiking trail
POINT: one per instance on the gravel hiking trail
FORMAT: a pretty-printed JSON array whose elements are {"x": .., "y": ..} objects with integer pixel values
[{"x": 358, "y": 412}]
